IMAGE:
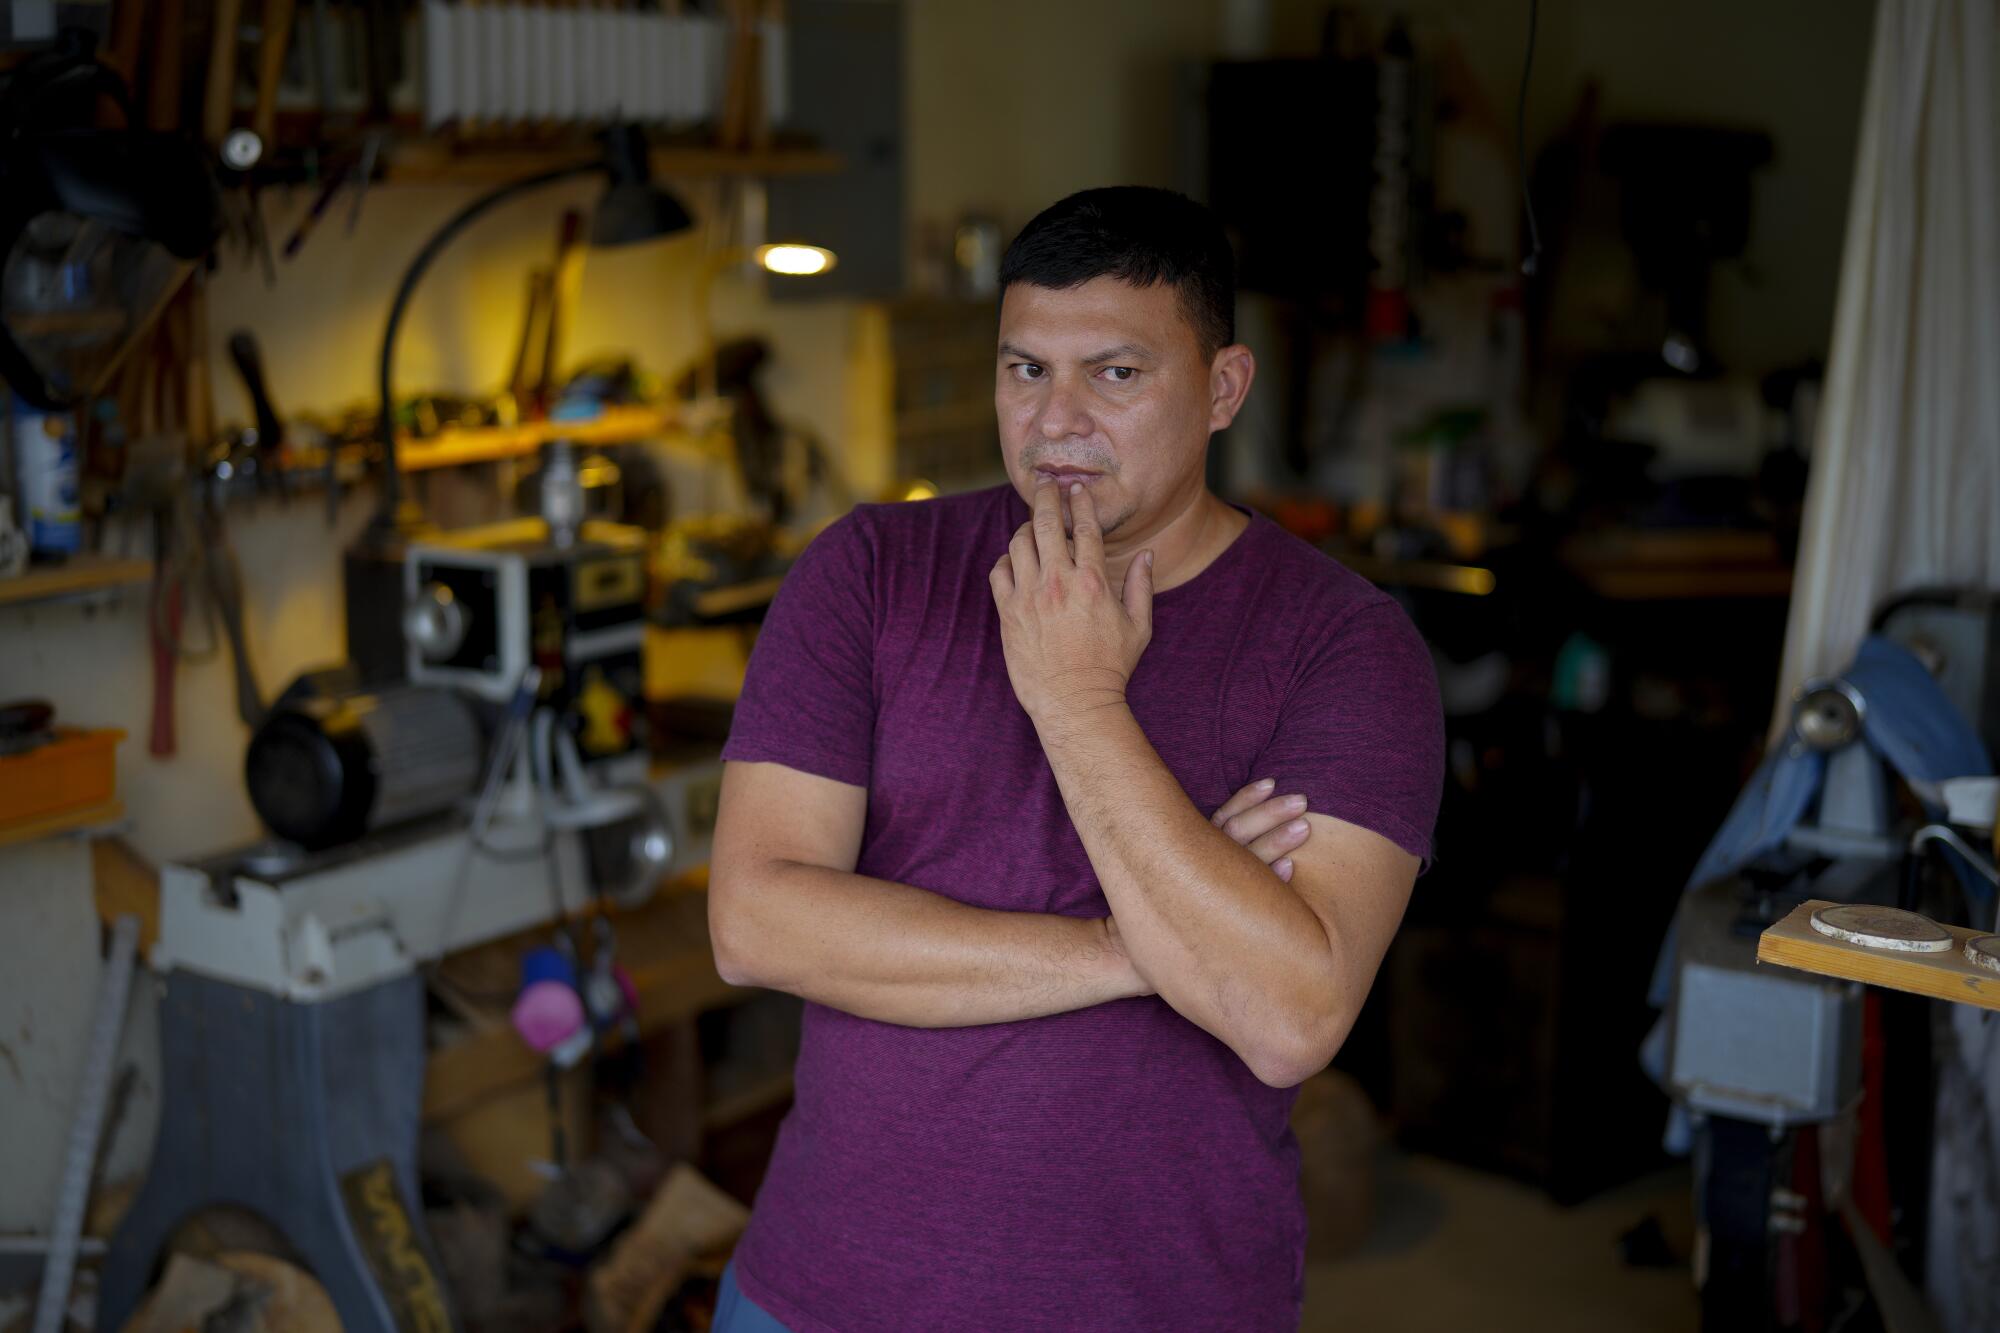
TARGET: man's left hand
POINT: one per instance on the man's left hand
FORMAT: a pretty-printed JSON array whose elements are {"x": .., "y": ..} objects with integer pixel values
[{"x": 1071, "y": 642}]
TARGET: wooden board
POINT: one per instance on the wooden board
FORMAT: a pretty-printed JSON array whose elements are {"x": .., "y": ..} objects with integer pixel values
[
  {"x": 1943, "y": 976},
  {"x": 125, "y": 883},
  {"x": 62, "y": 821},
  {"x": 455, "y": 446},
  {"x": 74, "y": 577},
  {"x": 1641, "y": 565},
  {"x": 427, "y": 161}
]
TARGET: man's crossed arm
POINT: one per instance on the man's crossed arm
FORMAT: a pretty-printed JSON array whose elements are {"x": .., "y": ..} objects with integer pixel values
[
  {"x": 1277, "y": 971},
  {"x": 786, "y": 911}
]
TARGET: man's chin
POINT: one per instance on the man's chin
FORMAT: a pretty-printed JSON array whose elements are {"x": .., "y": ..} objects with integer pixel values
[{"x": 1107, "y": 526}]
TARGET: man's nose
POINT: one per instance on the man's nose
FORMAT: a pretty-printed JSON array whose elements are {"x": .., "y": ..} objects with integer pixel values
[{"x": 1063, "y": 414}]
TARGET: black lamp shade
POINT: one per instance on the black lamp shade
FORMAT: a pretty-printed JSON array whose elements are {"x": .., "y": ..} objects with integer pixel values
[{"x": 634, "y": 211}]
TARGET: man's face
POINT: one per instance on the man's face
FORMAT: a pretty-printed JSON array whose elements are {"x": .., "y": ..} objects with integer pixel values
[{"x": 1103, "y": 383}]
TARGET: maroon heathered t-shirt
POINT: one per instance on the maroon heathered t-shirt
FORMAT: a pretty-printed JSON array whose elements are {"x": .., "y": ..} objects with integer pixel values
[{"x": 1108, "y": 1168}]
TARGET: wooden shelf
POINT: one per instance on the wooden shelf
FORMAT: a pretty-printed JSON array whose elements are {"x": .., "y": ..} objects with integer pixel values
[
  {"x": 455, "y": 446},
  {"x": 76, "y": 576},
  {"x": 1639, "y": 565},
  {"x": 1673, "y": 585},
  {"x": 1436, "y": 575},
  {"x": 66, "y": 821},
  {"x": 430, "y": 162},
  {"x": 1943, "y": 976}
]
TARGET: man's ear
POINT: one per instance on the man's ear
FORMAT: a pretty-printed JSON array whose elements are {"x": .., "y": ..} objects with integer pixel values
[{"x": 1229, "y": 374}]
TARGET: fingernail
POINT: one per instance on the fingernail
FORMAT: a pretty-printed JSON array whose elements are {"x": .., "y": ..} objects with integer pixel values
[
  {"x": 1295, "y": 803},
  {"x": 1147, "y": 556},
  {"x": 1296, "y": 826},
  {"x": 1283, "y": 865},
  {"x": 1265, "y": 784},
  {"x": 1075, "y": 487}
]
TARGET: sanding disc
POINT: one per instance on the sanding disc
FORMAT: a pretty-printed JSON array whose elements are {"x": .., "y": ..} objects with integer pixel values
[
  {"x": 1882, "y": 928},
  {"x": 1984, "y": 950}
]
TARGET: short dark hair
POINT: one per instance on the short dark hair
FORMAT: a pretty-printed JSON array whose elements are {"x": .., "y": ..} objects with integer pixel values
[{"x": 1137, "y": 234}]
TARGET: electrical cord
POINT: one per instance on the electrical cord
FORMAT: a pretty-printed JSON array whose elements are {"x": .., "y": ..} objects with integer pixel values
[{"x": 1533, "y": 261}]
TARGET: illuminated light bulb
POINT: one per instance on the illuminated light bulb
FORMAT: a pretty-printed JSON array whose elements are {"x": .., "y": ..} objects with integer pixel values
[{"x": 799, "y": 261}]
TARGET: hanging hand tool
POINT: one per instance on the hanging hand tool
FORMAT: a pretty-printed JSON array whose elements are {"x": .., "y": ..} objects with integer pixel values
[
  {"x": 157, "y": 403},
  {"x": 199, "y": 397},
  {"x": 563, "y": 295},
  {"x": 271, "y": 51},
  {"x": 260, "y": 236},
  {"x": 383, "y": 65},
  {"x": 127, "y": 38},
  {"x": 332, "y": 186},
  {"x": 163, "y": 81},
  {"x": 270, "y": 430},
  {"x": 524, "y": 385},
  {"x": 219, "y": 98},
  {"x": 164, "y": 626},
  {"x": 351, "y": 172},
  {"x": 739, "y": 87},
  {"x": 273, "y": 43},
  {"x": 225, "y": 589},
  {"x": 371, "y": 154},
  {"x": 323, "y": 76},
  {"x": 771, "y": 41}
]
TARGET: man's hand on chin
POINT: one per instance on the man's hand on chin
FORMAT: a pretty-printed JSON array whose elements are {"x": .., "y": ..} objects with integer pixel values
[{"x": 1071, "y": 642}]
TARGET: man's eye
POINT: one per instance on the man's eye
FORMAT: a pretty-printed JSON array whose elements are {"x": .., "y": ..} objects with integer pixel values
[
  {"x": 1026, "y": 370},
  {"x": 1120, "y": 374}
]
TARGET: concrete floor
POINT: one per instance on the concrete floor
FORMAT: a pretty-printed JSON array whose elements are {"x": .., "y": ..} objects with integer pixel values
[{"x": 1455, "y": 1248}]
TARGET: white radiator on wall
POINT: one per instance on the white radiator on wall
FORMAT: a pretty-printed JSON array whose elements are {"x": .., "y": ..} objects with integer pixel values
[{"x": 525, "y": 64}]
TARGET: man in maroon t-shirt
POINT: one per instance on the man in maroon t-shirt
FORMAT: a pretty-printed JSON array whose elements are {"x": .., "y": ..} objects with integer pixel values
[{"x": 1056, "y": 1008}]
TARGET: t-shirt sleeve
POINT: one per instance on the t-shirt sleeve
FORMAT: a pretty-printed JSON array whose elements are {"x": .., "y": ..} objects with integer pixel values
[
  {"x": 1361, "y": 731},
  {"x": 808, "y": 699}
]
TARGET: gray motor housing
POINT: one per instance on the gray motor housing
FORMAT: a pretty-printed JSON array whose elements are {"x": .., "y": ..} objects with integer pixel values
[{"x": 325, "y": 769}]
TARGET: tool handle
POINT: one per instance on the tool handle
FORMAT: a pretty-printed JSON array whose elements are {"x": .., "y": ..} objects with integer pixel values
[
  {"x": 225, "y": 587},
  {"x": 163, "y": 89},
  {"x": 166, "y": 642},
  {"x": 564, "y": 287},
  {"x": 380, "y": 70},
  {"x": 219, "y": 100},
  {"x": 121, "y": 53},
  {"x": 243, "y": 350},
  {"x": 271, "y": 68}
]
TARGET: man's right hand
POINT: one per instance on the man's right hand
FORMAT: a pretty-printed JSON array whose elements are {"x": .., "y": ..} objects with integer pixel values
[{"x": 1271, "y": 826}]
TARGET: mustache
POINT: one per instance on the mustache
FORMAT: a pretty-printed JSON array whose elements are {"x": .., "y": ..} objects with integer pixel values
[{"x": 1038, "y": 455}]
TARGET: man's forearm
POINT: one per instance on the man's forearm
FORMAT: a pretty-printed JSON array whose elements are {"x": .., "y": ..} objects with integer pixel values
[
  {"x": 899, "y": 954},
  {"x": 1221, "y": 939}
]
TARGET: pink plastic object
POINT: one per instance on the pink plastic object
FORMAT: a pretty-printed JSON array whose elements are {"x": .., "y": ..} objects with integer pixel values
[{"x": 547, "y": 1013}]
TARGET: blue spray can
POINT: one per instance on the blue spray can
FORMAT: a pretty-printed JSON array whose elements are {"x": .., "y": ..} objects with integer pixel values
[{"x": 48, "y": 468}]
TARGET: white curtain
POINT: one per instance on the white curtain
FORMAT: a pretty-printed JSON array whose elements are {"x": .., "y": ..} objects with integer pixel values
[
  {"x": 1905, "y": 488},
  {"x": 1905, "y": 482}
]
